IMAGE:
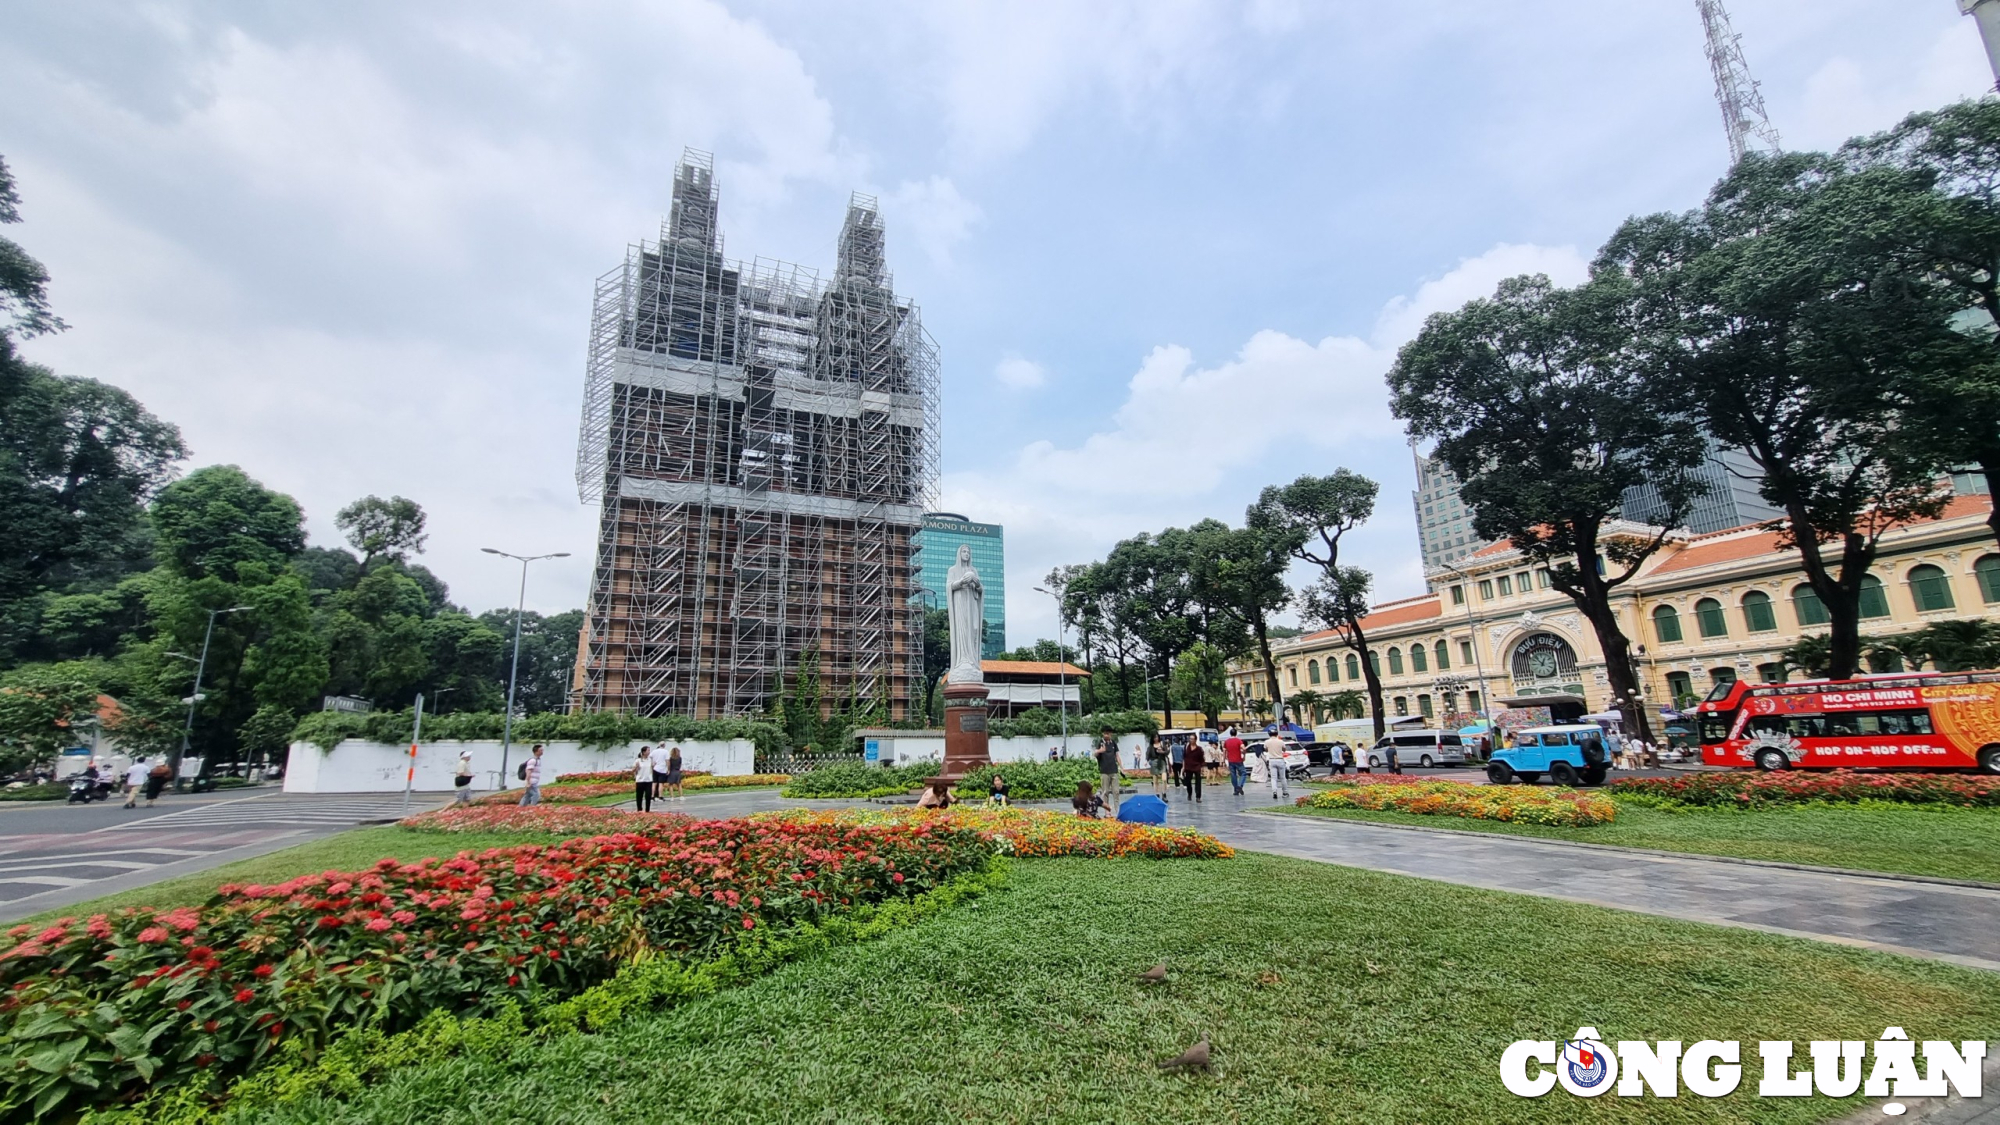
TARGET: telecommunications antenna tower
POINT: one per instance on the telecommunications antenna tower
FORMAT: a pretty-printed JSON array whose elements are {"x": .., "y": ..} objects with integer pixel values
[{"x": 1742, "y": 106}]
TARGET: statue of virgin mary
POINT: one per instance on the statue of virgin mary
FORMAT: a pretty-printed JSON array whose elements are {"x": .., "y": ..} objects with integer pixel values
[{"x": 966, "y": 597}]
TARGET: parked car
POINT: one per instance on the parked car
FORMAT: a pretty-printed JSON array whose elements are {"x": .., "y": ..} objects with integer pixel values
[
  {"x": 1568, "y": 754},
  {"x": 1425, "y": 748}
]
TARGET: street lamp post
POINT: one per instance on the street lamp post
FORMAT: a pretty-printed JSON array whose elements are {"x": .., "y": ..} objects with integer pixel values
[
  {"x": 514, "y": 670},
  {"x": 1472, "y": 629},
  {"x": 194, "y": 698},
  {"x": 1062, "y": 670}
]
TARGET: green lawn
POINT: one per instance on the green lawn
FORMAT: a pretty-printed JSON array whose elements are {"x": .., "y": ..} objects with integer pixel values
[
  {"x": 1330, "y": 994},
  {"x": 1917, "y": 840},
  {"x": 347, "y": 851}
]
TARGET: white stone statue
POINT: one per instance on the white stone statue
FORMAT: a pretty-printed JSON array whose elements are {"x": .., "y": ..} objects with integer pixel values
[{"x": 966, "y": 599}]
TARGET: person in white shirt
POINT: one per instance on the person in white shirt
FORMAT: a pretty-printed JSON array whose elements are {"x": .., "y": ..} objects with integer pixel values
[
  {"x": 461, "y": 778},
  {"x": 533, "y": 776},
  {"x": 642, "y": 779},
  {"x": 135, "y": 780},
  {"x": 1274, "y": 764}
]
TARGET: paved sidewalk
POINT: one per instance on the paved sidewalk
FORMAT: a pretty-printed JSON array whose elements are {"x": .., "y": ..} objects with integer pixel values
[{"x": 1901, "y": 916}]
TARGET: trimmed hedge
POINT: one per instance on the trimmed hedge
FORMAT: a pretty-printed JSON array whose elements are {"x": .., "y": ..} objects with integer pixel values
[
  {"x": 1034, "y": 780},
  {"x": 596, "y": 730},
  {"x": 1044, "y": 723},
  {"x": 858, "y": 779}
]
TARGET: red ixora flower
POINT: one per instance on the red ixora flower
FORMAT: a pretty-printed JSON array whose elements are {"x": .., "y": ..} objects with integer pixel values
[
  {"x": 377, "y": 925},
  {"x": 152, "y": 934}
]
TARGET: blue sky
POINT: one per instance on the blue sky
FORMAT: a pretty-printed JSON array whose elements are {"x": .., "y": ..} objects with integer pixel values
[{"x": 1167, "y": 248}]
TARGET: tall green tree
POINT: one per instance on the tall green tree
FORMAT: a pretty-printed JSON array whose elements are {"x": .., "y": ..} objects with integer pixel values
[
  {"x": 1201, "y": 681},
  {"x": 1338, "y": 600},
  {"x": 1938, "y": 175},
  {"x": 1785, "y": 333},
  {"x": 1313, "y": 514},
  {"x": 214, "y": 520},
  {"x": 24, "y": 283},
  {"x": 1537, "y": 400},
  {"x": 1242, "y": 572},
  {"x": 43, "y": 709},
  {"x": 383, "y": 529},
  {"x": 1156, "y": 597}
]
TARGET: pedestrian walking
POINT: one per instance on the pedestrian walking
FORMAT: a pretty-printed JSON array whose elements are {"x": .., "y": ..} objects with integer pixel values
[
  {"x": 156, "y": 781},
  {"x": 658, "y": 778},
  {"x": 461, "y": 778},
  {"x": 1395, "y": 763},
  {"x": 674, "y": 773},
  {"x": 1232, "y": 753},
  {"x": 1107, "y": 768},
  {"x": 1274, "y": 766},
  {"x": 1336, "y": 759},
  {"x": 1156, "y": 763},
  {"x": 1192, "y": 763},
  {"x": 1176, "y": 752},
  {"x": 643, "y": 785},
  {"x": 135, "y": 780},
  {"x": 531, "y": 772}
]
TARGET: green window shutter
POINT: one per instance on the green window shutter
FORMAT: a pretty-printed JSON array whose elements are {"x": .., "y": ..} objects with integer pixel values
[
  {"x": 1757, "y": 614},
  {"x": 1807, "y": 606},
  {"x": 1708, "y": 615},
  {"x": 1874, "y": 599},
  {"x": 1666, "y": 624}
]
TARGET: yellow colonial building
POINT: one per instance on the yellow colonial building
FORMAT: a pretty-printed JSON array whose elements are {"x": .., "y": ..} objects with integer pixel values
[{"x": 1493, "y": 634}]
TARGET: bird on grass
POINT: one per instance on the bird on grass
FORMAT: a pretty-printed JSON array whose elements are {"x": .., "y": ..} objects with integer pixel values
[
  {"x": 1195, "y": 1056},
  {"x": 1154, "y": 975}
]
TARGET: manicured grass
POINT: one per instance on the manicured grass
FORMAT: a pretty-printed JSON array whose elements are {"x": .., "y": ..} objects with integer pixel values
[
  {"x": 345, "y": 852},
  {"x": 1329, "y": 993},
  {"x": 1952, "y": 843}
]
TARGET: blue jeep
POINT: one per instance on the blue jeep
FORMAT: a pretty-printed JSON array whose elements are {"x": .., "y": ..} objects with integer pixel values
[{"x": 1569, "y": 755}]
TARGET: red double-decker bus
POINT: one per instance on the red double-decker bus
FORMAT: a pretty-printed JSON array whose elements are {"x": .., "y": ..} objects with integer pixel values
[{"x": 1904, "y": 720}]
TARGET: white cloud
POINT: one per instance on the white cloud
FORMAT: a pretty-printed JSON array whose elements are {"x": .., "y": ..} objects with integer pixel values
[
  {"x": 936, "y": 215},
  {"x": 1020, "y": 374},
  {"x": 1191, "y": 442},
  {"x": 1403, "y": 317},
  {"x": 1846, "y": 97},
  {"x": 1005, "y": 67}
]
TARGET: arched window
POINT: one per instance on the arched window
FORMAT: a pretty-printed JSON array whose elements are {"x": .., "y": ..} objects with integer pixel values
[
  {"x": 1402, "y": 704},
  {"x": 1988, "y": 572},
  {"x": 1420, "y": 660},
  {"x": 1807, "y": 607},
  {"x": 1395, "y": 662},
  {"x": 1874, "y": 599},
  {"x": 1294, "y": 672},
  {"x": 1708, "y": 616},
  {"x": 1666, "y": 624},
  {"x": 1424, "y": 707},
  {"x": 1374, "y": 661},
  {"x": 1312, "y": 671},
  {"x": 1758, "y": 616},
  {"x": 1930, "y": 589},
  {"x": 1444, "y": 657},
  {"x": 1353, "y": 667}
]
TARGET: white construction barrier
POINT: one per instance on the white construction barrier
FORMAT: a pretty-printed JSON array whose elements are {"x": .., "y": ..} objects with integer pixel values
[{"x": 355, "y": 766}]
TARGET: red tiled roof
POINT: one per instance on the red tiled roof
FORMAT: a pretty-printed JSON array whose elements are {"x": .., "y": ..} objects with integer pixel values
[
  {"x": 1734, "y": 543},
  {"x": 1031, "y": 668}
]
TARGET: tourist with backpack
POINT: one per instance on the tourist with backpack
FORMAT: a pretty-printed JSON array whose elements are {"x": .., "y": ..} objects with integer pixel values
[{"x": 531, "y": 772}]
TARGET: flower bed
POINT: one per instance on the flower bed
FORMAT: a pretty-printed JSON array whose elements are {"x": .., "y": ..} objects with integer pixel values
[
  {"x": 562, "y": 820},
  {"x": 97, "y": 1010},
  {"x": 583, "y": 792},
  {"x": 624, "y": 775},
  {"x": 1430, "y": 797},
  {"x": 1036, "y": 833},
  {"x": 1750, "y": 789}
]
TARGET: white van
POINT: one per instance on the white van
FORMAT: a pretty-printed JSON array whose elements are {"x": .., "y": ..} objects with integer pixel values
[{"x": 1424, "y": 748}]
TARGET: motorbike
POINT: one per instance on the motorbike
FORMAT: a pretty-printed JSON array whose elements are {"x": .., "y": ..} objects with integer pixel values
[{"x": 82, "y": 790}]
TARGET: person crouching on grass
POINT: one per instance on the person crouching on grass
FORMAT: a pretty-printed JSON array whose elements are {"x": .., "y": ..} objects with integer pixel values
[
  {"x": 1085, "y": 802},
  {"x": 996, "y": 795}
]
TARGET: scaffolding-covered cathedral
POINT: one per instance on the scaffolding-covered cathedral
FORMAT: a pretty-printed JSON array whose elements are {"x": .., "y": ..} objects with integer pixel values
[{"x": 761, "y": 445}]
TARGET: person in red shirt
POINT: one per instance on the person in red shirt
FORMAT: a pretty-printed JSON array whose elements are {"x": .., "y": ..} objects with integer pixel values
[{"x": 1232, "y": 752}]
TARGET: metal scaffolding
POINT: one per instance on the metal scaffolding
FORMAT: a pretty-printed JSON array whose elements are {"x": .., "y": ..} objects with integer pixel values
[{"x": 761, "y": 447}]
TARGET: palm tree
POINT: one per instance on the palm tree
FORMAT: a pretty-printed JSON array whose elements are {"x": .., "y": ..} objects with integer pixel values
[
  {"x": 1308, "y": 700},
  {"x": 1345, "y": 704}
]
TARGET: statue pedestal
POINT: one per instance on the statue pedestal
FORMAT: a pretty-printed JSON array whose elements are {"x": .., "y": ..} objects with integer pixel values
[{"x": 964, "y": 730}]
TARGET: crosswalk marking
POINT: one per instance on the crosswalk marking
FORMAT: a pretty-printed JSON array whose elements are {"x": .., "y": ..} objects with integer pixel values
[{"x": 283, "y": 810}]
